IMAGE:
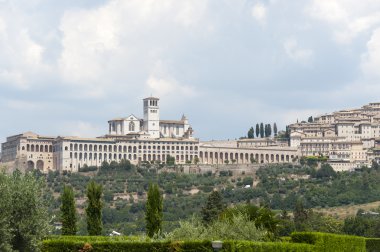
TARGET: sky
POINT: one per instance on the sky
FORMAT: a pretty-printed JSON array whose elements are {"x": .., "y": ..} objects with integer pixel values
[{"x": 67, "y": 67}]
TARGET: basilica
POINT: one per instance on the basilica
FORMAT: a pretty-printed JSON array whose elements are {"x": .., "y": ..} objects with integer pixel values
[{"x": 146, "y": 139}]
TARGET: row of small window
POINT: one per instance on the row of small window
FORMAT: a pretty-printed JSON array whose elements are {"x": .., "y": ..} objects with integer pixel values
[
  {"x": 145, "y": 157},
  {"x": 125, "y": 148},
  {"x": 38, "y": 148}
]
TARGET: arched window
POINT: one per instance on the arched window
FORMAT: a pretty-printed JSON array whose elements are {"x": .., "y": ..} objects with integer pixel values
[{"x": 131, "y": 126}]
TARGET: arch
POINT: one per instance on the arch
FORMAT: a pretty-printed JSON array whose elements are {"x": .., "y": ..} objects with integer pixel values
[
  {"x": 124, "y": 149},
  {"x": 85, "y": 156},
  {"x": 95, "y": 156},
  {"x": 120, "y": 148},
  {"x": 80, "y": 147},
  {"x": 272, "y": 158},
  {"x": 85, "y": 147},
  {"x": 246, "y": 157},
  {"x": 80, "y": 156},
  {"x": 267, "y": 158},
  {"x": 37, "y": 148},
  {"x": 47, "y": 148},
  {"x": 90, "y": 156},
  {"x": 131, "y": 126},
  {"x": 90, "y": 147},
  {"x": 282, "y": 158},
  {"x": 75, "y": 147},
  {"x": 40, "y": 165},
  {"x": 130, "y": 156},
  {"x": 277, "y": 158},
  {"x": 71, "y": 147},
  {"x": 241, "y": 158},
  {"x": 114, "y": 148},
  {"x": 105, "y": 157},
  {"x": 27, "y": 147},
  {"x": 30, "y": 166},
  {"x": 120, "y": 156},
  {"x": 134, "y": 149},
  {"x": 257, "y": 158},
  {"x": 129, "y": 149},
  {"x": 95, "y": 148},
  {"x": 287, "y": 158}
]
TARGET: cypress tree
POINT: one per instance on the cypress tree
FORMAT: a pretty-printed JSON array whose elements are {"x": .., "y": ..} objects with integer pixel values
[
  {"x": 257, "y": 130},
  {"x": 269, "y": 130},
  {"x": 261, "y": 130},
  {"x": 153, "y": 214},
  {"x": 68, "y": 211},
  {"x": 213, "y": 207},
  {"x": 94, "y": 208},
  {"x": 251, "y": 133},
  {"x": 275, "y": 129}
]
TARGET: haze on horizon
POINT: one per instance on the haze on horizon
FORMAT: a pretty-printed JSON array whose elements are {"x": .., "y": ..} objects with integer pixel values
[{"x": 67, "y": 67}]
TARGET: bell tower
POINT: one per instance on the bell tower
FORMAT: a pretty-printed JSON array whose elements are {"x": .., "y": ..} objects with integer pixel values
[{"x": 152, "y": 116}]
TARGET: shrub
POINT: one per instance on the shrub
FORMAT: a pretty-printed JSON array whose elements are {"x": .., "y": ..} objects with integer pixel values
[
  {"x": 372, "y": 244},
  {"x": 112, "y": 245},
  {"x": 331, "y": 242}
]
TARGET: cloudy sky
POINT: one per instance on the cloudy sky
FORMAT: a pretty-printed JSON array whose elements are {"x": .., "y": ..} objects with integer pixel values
[{"x": 66, "y": 67}]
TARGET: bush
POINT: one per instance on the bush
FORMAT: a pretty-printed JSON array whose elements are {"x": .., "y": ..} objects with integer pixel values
[
  {"x": 330, "y": 242},
  {"x": 372, "y": 244},
  {"x": 72, "y": 244}
]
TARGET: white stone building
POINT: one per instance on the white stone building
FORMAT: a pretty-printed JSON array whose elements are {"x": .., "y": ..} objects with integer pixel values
[{"x": 137, "y": 140}]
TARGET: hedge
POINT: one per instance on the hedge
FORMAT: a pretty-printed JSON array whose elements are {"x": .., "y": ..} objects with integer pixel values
[
  {"x": 248, "y": 246},
  {"x": 372, "y": 244},
  {"x": 331, "y": 242},
  {"x": 110, "y": 245}
]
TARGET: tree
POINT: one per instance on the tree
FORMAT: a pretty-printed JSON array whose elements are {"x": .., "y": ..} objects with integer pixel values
[
  {"x": 94, "y": 208},
  {"x": 257, "y": 130},
  {"x": 266, "y": 130},
  {"x": 269, "y": 130},
  {"x": 170, "y": 160},
  {"x": 213, "y": 207},
  {"x": 375, "y": 165},
  {"x": 251, "y": 133},
  {"x": 68, "y": 211},
  {"x": 300, "y": 216},
  {"x": 24, "y": 219},
  {"x": 153, "y": 214},
  {"x": 326, "y": 171},
  {"x": 310, "y": 119},
  {"x": 261, "y": 130},
  {"x": 275, "y": 129},
  {"x": 196, "y": 160}
]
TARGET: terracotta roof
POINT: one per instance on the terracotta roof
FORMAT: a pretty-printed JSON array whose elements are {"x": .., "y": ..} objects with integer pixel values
[{"x": 171, "y": 122}]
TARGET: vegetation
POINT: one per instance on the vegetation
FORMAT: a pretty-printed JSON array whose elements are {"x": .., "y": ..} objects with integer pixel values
[
  {"x": 68, "y": 211},
  {"x": 153, "y": 215},
  {"x": 213, "y": 208},
  {"x": 23, "y": 212},
  {"x": 94, "y": 208}
]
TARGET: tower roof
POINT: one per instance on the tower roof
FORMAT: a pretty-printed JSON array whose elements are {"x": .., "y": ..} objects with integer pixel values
[{"x": 151, "y": 98}]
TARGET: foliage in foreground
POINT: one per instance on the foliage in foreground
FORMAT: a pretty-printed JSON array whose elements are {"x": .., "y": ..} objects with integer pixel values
[
  {"x": 153, "y": 216},
  {"x": 23, "y": 213},
  {"x": 56, "y": 245},
  {"x": 68, "y": 211},
  {"x": 94, "y": 208},
  {"x": 238, "y": 227}
]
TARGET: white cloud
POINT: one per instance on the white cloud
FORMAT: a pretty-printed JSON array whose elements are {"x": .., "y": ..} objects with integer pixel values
[
  {"x": 296, "y": 53},
  {"x": 81, "y": 129},
  {"x": 371, "y": 59},
  {"x": 347, "y": 18},
  {"x": 259, "y": 12}
]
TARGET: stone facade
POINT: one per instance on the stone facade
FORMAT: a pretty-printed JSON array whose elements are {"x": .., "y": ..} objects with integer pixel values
[
  {"x": 347, "y": 137},
  {"x": 137, "y": 140}
]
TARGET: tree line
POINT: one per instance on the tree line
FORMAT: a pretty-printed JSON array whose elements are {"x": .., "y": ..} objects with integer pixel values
[{"x": 262, "y": 130}]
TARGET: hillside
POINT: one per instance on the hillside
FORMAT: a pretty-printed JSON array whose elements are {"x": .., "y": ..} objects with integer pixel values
[{"x": 278, "y": 186}]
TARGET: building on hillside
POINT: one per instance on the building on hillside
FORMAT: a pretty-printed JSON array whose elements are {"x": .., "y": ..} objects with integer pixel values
[
  {"x": 146, "y": 139},
  {"x": 347, "y": 137}
]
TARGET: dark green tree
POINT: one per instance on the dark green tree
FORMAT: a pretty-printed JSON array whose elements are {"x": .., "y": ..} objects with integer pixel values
[
  {"x": 170, "y": 160},
  {"x": 275, "y": 129},
  {"x": 310, "y": 119},
  {"x": 257, "y": 130},
  {"x": 261, "y": 130},
  {"x": 269, "y": 130},
  {"x": 153, "y": 214},
  {"x": 213, "y": 207},
  {"x": 251, "y": 133},
  {"x": 266, "y": 130},
  {"x": 326, "y": 171},
  {"x": 94, "y": 208},
  {"x": 300, "y": 216},
  {"x": 68, "y": 211},
  {"x": 375, "y": 165},
  {"x": 24, "y": 218}
]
